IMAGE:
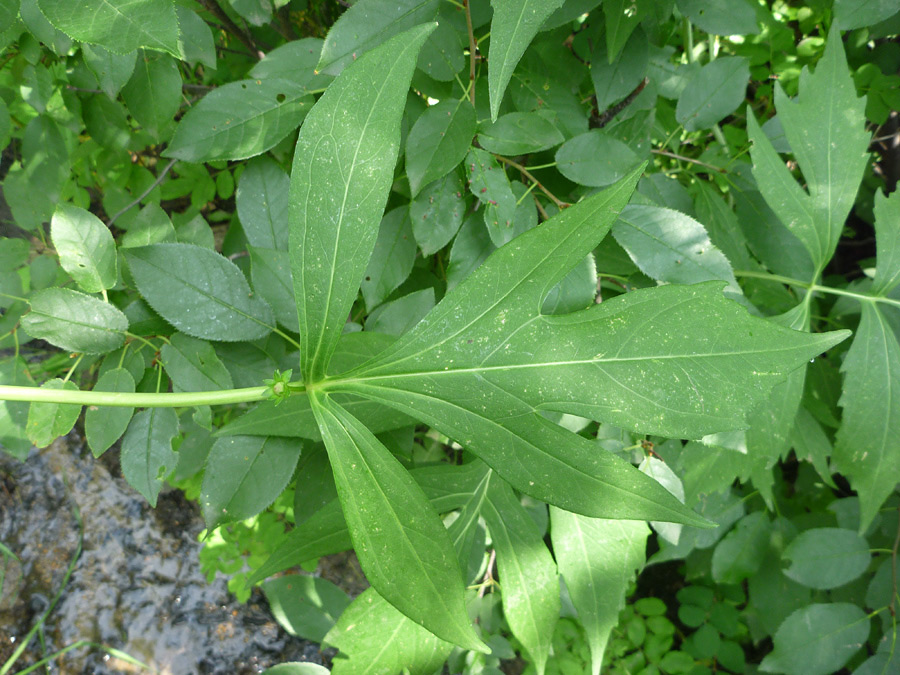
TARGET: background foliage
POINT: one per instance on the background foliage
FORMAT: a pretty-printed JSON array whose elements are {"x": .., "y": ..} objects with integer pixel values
[{"x": 468, "y": 382}]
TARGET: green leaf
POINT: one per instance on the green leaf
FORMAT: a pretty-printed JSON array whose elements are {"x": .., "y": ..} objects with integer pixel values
[
  {"x": 714, "y": 92},
  {"x": 671, "y": 247},
  {"x": 294, "y": 61},
  {"x": 193, "y": 365},
  {"x": 120, "y": 26},
  {"x": 369, "y": 24},
  {"x": 111, "y": 70},
  {"x": 402, "y": 545},
  {"x": 599, "y": 560},
  {"x": 147, "y": 456},
  {"x": 342, "y": 173},
  {"x": 49, "y": 421},
  {"x": 375, "y": 638},
  {"x": 471, "y": 247},
  {"x": 74, "y": 321},
  {"x": 721, "y": 17},
  {"x": 85, "y": 246},
  {"x": 438, "y": 142},
  {"x": 887, "y": 230},
  {"x": 529, "y": 581},
  {"x": 613, "y": 82},
  {"x": 239, "y": 120},
  {"x": 153, "y": 94},
  {"x": 576, "y": 291},
  {"x": 811, "y": 444},
  {"x": 442, "y": 54},
  {"x": 832, "y": 162},
  {"x": 437, "y": 213},
  {"x": 459, "y": 371},
  {"x": 850, "y": 14},
  {"x": 104, "y": 425},
  {"x": 195, "y": 39},
  {"x": 818, "y": 639},
  {"x": 827, "y": 557},
  {"x": 595, "y": 159},
  {"x": 296, "y": 668},
  {"x": 315, "y": 483},
  {"x": 489, "y": 183},
  {"x": 199, "y": 292},
  {"x": 244, "y": 475},
  {"x": 398, "y": 316},
  {"x": 270, "y": 271},
  {"x": 519, "y": 133},
  {"x": 392, "y": 258},
  {"x": 622, "y": 17},
  {"x": 865, "y": 450},
  {"x": 740, "y": 554},
  {"x": 262, "y": 204},
  {"x": 464, "y": 529},
  {"x": 306, "y": 607},
  {"x": 514, "y": 25}
]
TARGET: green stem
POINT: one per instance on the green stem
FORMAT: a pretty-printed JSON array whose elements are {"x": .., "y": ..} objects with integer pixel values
[
  {"x": 133, "y": 400},
  {"x": 862, "y": 297},
  {"x": 285, "y": 336}
]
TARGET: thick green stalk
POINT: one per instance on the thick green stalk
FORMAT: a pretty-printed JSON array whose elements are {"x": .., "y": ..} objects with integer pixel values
[{"x": 135, "y": 400}]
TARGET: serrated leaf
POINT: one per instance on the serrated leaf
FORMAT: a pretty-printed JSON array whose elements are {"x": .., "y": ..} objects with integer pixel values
[
  {"x": 369, "y": 24},
  {"x": 489, "y": 183},
  {"x": 193, "y": 365},
  {"x": 120, "y": 26},
  {"x": 270, "y": 271},
  {"x": 827, "y": 557},
  {"x": 595, "y": 159},
  {"x": 199, "y": 292},
  {"x": 111, "y": 70},
  {"x": 529, "y": 581},
  {"x": 239, "y": 120},
  {"x": 49, "y": 421},
  {"x": 104, "y": 425},
  {"x": 599, "y": 560},
  {"x": 438, "y": 142},
  {"x": 865, "y": 450},
  {"x": 721, "y": 17},
  {"x": 74, "y": 321},
  {"x": 740, "y": 554},
  {"x": 519, "y": 133},
  {"x": 147, "y": 456},
  {"x": 262, "y": 203},
  {"x": 401, "y": 543},
  {"x": 153, "y": 94},
  {"x": 244, "y": 475},
  {"x": 437, "y": 213},
  {"x": 832, "y": 162},
  {"x": 850, "y": 14},
  {"x": 460, "y": 371},
  {"x": 817, "y": 639},
  {"x": 306, "y": 607},
  {"x": 195, "y": 38},
  {"x": 715, "y": 91},
  {"x": 85, "y": 246},
  {"x": 373, "y": 637},
  {"x": 342, "y": 173},
  {"x": 514, "y": 25},
  {"x": 887, "y": 231}
]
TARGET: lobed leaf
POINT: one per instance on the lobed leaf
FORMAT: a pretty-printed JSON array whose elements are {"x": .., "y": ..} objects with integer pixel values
[{"x": 342, "y": 172}]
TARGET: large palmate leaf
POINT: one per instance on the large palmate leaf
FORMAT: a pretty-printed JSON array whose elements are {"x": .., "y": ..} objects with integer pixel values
[
  {"x": 401, "y": 542},
  {"x": 514, "y": 25},
  {"x": 832, "y": 159},
  {"x": 120, "y": 26},
  {"x": 675, "y": 361},
  {"x": 342, "y": 172},
  {"x": 866, "y": 449}
]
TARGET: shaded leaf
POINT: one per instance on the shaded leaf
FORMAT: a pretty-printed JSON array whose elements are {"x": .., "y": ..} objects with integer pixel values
[
  {"x": 306, "y": 607},
  {"x": 262, "y": 203},
  {"x": 850, "y": 14},
  {"x": 595, "y": 159},
  {"x": 827, "y": 557},
  {"x": 49, "y": 421},
  {"x": 147, "y": 456},
  {"x": 104, "y": 425},
  {"x": 437, "y": 213},
  {"x": 887, "y": 229},
  {"x": 519, "y": 133},
  {"x": 153, "y": 94},
  {"x": 715, "y": 91},
  {"x": 392, "y": 258},
  {"x": 438, "y": 142},
  {"x": 721, "y": 17},
  {"x": 740, "y": 554},
  {"x": 111, "y": 70},
  {"x": 193, "y": 365},
  {"x": 270, "y": 271}
]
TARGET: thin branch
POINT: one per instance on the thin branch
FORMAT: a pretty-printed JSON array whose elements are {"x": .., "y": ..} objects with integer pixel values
[
  {"x": 666, "y": 153},
  {"x": 213, "y": 7},
  {"x": 489, "y": 575},
  {"x": 472, "y": 49},
  {"x": 525, "y": 172},
  {"x": 159, "y": 179}
]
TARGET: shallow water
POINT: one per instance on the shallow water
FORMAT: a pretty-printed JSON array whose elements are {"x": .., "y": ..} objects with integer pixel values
[{"x": 137, "y": 586}]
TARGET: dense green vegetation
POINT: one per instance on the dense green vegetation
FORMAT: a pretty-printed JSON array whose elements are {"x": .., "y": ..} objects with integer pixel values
[{"x": 514, "y": 298}]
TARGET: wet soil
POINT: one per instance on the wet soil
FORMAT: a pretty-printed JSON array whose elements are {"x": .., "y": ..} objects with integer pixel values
[{"x": 137, "y": 585}]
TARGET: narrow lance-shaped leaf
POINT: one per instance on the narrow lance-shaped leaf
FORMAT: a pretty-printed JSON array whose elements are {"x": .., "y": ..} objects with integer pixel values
[
  {"x": 514, "y": 25},
  {"x": 402, "y": 545},
  {"x": 481, "y": 364},
  {"x": 598, "y": 559},
  {"x": 887, "y": 232},
  {"x": 866, "y": 449},
  {"x": 342, "y": 172},
  {"x": 529, "y": 581}
]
